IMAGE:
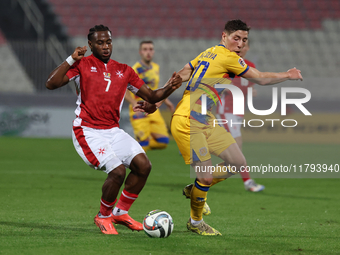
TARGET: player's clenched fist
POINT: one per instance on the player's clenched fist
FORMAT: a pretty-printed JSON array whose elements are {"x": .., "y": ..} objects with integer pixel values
[
  {"x": 79, "y": 53},
  {"x": 146, "y": 107},
  {"x": 295, "y": 74}
]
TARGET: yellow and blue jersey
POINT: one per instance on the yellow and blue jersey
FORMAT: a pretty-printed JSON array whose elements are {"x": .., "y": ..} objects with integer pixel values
[
  {"x": 216, "y": 65},
  {"x": 149, "y": 74},
  {"x": 146, "y": 125}
]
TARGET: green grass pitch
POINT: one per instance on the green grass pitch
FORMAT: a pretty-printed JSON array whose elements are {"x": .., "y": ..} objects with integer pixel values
[{"x": 49, "y": 198}]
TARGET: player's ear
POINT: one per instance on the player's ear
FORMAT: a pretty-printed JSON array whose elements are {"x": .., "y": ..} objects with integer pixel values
[
  {"x": 224, "y": 34},
  {"x": 90, "y": 44}
]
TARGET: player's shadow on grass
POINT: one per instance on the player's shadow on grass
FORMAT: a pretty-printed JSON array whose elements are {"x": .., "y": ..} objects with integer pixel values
[{"x": 46, "y": 226}]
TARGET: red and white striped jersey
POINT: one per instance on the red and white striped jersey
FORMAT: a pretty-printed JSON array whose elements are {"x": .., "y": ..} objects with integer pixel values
[
  {"x": 227, "y": 98},
  {"x": 101, "y": 88}
]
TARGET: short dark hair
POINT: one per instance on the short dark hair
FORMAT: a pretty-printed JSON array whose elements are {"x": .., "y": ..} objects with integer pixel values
[
  {"x": 236, "y": 24},
  {"x": 145, "y": 41},
  {"x": 97, "y": 28}
]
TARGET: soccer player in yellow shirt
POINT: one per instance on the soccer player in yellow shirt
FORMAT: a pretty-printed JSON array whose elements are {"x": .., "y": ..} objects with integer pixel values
[
  {"x": 150, "y": 130},
  {"x": 195, "y": 133}
]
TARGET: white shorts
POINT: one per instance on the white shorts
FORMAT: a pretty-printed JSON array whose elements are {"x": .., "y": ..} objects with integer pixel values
[
  {"x": 105, "y": 149},
  {"x": 234, "y": 123}
]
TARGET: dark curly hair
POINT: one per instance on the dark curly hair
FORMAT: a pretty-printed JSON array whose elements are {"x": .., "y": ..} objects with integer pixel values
[{"x": 97, "y": 28}]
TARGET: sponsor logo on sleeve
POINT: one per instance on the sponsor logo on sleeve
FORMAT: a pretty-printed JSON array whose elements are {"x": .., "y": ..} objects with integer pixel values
[{"x": 241, "y": 61}]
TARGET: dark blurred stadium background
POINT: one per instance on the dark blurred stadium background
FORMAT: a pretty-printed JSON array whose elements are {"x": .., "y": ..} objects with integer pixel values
[{"x": 36, "y": 36}]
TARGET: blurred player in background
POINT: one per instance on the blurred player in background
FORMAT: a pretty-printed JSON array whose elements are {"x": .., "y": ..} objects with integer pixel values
[
  {"x": 225, "y": 111},
  {"x": 150, "y": 130},
  {"x": 195, "y": 134},
  {"x": 101, "y": 84}
]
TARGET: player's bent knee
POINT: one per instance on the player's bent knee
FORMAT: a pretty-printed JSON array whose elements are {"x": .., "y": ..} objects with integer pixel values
[
  {"x": 118, "y": 173},
  {"x": 205, "y": 181},
  {"x": 145, "y": 170},
  {"x": 141, "y": 165}
]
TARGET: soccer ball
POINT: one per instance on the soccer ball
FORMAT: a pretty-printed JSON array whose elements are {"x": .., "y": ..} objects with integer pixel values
[{"x": 158, "y": 223}]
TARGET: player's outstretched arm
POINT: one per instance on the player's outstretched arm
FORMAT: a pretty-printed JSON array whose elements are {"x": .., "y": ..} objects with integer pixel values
[
  {"x": 269, "y": 78},
  {"x": 154, "y": 96},
  {"x": 57, "y": 77},
  {"x": 185, "y": 72}
]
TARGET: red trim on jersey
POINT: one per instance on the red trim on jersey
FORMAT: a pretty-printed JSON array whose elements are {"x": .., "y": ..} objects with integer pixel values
[{"x": 78, "y": 131}]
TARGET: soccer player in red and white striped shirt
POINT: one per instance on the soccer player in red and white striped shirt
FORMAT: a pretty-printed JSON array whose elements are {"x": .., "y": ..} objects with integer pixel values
[{"x": 101, "y": 84}]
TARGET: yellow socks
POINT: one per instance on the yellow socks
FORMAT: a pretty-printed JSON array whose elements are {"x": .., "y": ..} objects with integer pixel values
[
  {"x": 198, "y": 197},
  {"x": 221, "y": 176}
]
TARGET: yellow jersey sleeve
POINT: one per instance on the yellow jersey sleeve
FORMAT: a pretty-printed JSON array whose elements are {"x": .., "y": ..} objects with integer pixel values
[
  {"x": 236, "y": 65},
  {"x": 193, "y": 63}
]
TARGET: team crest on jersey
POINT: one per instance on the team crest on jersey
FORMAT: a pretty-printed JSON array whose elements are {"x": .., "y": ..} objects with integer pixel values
[
  {"x": 120, "y": 74},
  {"x": 107, "y": 75},
  {"x": 203, "y": 151},
  {"x": 241, "y": 61}
]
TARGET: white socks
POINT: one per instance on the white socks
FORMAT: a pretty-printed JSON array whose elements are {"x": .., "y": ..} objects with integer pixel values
[
  {"x": 195, "y": 222},
  {"x": 102, "y": 216},
  {"x": 117, "y": 212}
]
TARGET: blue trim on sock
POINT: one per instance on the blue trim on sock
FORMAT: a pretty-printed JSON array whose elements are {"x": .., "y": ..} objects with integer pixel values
[
  {"x": 228, "y": 169},
  {"x": 201, "y": 187},
  {"x": 144, "y": 143},
  {"x": 163, "y": 140}
]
